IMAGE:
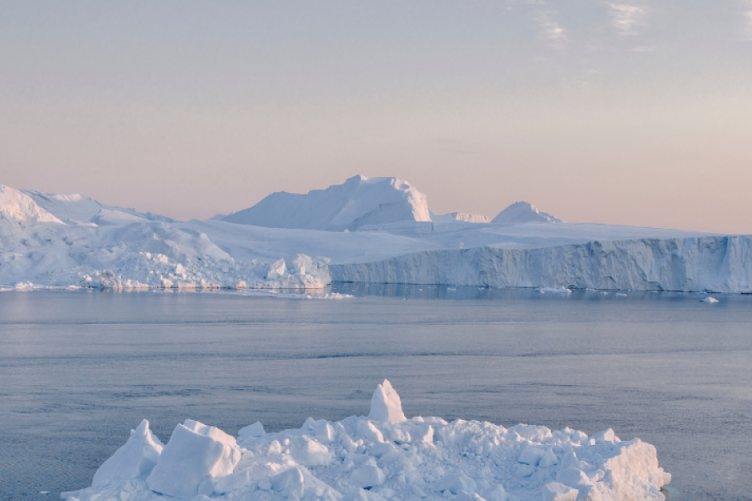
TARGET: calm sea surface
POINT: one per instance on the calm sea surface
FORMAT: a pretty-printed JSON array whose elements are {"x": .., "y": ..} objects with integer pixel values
[{"x": 78, "y": 370}]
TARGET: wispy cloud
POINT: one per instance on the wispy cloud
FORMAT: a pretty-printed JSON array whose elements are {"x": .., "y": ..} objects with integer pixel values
[
  {"x": 550, "y": 29},
  {"x": 747, "y": 16},
  {"x": 625, "y": 17}
]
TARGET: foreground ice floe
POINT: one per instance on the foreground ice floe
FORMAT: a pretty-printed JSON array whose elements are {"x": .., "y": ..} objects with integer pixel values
[{"x": 380, "y": 457}]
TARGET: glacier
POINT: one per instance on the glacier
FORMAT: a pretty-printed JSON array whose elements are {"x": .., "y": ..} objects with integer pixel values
[
  {"x": 373, "y": 230},
  {"x": 382, "y": 456}
]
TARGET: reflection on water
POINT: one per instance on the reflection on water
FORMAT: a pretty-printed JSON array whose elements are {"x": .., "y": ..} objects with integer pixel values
[{"x": 79, "y": 369}]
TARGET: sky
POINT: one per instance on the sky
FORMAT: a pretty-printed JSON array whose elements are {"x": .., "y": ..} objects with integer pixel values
[{"x": 634, "y": 112}]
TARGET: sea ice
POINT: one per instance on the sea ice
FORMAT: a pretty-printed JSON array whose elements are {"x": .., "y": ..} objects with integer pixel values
[
  {"x": 377, "y": 458},
  {"x": 194, "y": 459}
]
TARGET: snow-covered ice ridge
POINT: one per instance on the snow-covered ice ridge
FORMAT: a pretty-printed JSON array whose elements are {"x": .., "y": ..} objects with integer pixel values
[{"x": 380, "y": 457}]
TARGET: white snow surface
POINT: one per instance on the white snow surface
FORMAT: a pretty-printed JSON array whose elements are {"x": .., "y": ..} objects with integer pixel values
[
  {"x": 361, "y": 458},
  {"x": 524, "y": 212},
  {"x": 75, "y": 208},
  {"x": 19, "y": 207},
  {"x": 359, "y": 201},
  {"x": 117, "y": 249}
]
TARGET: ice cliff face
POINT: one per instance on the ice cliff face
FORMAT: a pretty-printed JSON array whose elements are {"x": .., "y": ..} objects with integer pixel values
[
  {"x": 707, "y": 263},
  {"x": 358, "y": 202}
]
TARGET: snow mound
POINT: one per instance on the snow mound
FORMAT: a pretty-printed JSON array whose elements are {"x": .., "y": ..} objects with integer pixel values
[
  {"x": 461, "y": 216},
  {"x": 116, "y": 218},
  {"x": 359, "y": 201},
  {"x": 17, "y": 206},
  {"x": 367, "y": 459},
  {"x": 524, "y": 212},
  {"x": 72, "y": 208}
]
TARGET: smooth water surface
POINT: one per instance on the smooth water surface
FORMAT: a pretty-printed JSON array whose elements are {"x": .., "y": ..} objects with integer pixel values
[{"x": 78, "y": 370}]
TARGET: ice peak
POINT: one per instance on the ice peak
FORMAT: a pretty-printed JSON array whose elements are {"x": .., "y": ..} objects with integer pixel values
[
  {"x": 386, "y": 405},
  {"x": 359, "y": 201},
  {"x": 17, "y": 205},
  {"x": 524, "y": 212}
]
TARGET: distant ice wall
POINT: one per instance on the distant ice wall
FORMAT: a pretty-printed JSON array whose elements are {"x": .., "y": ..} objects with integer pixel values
[{"x": 708, "y": 263}]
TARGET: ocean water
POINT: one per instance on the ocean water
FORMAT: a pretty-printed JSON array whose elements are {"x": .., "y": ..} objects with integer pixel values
[{"x": 78, "y": 370}]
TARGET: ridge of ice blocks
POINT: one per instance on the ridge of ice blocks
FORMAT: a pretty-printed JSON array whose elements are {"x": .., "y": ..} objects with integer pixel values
[{"x": 377, "y": 458}]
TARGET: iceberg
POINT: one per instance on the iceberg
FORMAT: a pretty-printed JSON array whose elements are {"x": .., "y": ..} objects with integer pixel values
[
  {"x": 358, "y": 202},
  {"x": 367, "y": 230},
  {"x": 120, "y": 249},
  {"x": 379, "y": 457}
]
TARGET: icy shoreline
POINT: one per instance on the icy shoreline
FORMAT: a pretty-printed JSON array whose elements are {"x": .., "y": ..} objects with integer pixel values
[{"x": 379, "y": 457}]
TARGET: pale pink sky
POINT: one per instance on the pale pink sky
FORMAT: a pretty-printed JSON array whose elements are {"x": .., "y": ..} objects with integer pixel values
[{"x": 633, "y": 113}]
